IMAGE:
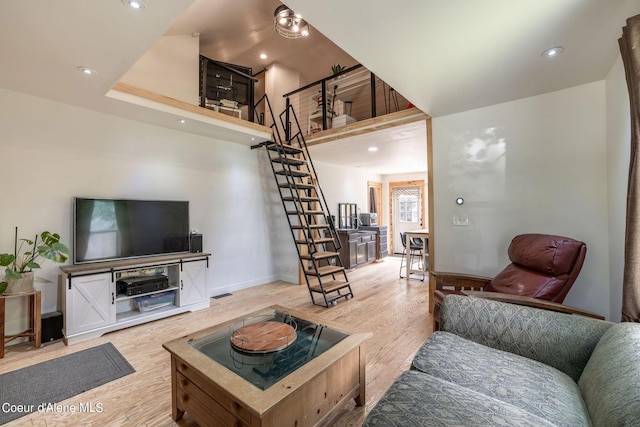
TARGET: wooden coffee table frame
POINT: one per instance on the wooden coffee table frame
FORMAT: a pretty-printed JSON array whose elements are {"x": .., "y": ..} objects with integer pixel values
[{"x": 214, "y": 395}]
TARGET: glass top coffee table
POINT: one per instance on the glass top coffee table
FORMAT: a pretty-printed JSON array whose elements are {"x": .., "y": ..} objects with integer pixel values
[{"x": 272, "y": 367}]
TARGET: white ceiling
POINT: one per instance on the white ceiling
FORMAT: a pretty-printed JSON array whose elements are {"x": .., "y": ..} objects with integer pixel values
[
  {"x": 444, "y": 56},
  {"x": 457, "y": 55},
  {"x": 401, "y": 149}
]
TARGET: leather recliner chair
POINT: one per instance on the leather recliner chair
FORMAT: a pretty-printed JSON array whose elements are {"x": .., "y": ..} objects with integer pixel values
[{"x": 543, "y": 267}]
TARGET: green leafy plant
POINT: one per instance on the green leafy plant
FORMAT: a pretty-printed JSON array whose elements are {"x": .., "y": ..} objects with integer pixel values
[
  {"x": 337, "y": 68},
  {"x": 28, "y": 253}
]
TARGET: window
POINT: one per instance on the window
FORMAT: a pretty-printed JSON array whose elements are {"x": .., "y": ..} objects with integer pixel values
[{"x": 408, "y": 201}]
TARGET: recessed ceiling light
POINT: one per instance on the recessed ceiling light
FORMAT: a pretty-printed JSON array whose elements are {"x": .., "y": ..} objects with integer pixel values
[
  {"x": 263, "y": 56},
  {"x": 87, "y": 70},
  {"x": 182, "y": 121},
  {"x": 372, "y": 149},
  {"x": 135, "y": 4},
  {"x": 552, "y": 52}
]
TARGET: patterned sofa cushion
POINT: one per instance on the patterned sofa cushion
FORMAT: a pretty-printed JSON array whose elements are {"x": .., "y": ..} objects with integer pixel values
[
  {"x": 527, "y": 384},
  {"x": 555, "y": 339},
  {"x": 418, "y": 399},
  {"x": 611, "y": 380}
]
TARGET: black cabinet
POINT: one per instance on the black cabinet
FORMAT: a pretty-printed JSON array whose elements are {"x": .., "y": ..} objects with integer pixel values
[
  {"x": 372, "y": 251},
  {"x": 362, "y": 253},
  {"x": 382, "y": 244},
  {"x": 349, "y": 256},
  {"x": 358, "y": 247}
]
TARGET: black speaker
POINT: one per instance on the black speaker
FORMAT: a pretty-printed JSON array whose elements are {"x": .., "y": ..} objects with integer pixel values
[
  {"x": 51, "y": 326},
  {"x": 195, "y": 243}
]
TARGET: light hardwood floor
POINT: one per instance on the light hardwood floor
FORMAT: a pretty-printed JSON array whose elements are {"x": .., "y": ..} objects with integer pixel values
[{"x": 395, "y": 310}]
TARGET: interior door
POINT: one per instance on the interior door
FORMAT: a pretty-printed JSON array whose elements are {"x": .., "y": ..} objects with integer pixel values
[{"x": 407, "y": 213}]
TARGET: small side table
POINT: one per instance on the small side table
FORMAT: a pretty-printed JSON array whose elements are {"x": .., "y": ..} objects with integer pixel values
[{"x": 34, "y": 332}]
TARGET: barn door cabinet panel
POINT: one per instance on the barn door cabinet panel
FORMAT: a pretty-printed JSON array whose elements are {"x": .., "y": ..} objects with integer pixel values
[{"x": 95, "y": 301}]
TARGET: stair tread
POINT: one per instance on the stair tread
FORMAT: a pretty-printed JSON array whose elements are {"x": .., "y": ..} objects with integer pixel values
[
  {"x": 325, "y": 270},
  {"x": 289, "y": 149},
  {"x": 312, "y": 226},
  {"x": 305, "y": 213},
  {"x": 317, "y": 241},
  {"x": 297, "y": 174},
  {"x": 330, "y": 287},
  {"x": 288, "y": 161},
  {"x": 319, "y": 255},
  {"x": 302, "y": 199},
  {"x": 299, "y": 185}
]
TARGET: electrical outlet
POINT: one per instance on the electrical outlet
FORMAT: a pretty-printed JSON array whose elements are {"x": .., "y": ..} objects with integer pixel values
[{"x": 461, "y": 220}]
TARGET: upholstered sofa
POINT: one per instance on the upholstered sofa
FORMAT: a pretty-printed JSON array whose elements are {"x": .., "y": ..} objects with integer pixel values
[{"x": 494, "y": 363}]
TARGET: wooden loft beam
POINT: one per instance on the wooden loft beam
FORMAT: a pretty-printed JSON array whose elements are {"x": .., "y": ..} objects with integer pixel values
[
  {"x": 184, "y": 106},
  {"x": 366, "y": 126}
]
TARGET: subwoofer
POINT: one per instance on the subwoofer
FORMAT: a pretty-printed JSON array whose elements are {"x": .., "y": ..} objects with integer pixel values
[
  {"x": 51, "y": 326},
  {"x": 195, "y": 243}
]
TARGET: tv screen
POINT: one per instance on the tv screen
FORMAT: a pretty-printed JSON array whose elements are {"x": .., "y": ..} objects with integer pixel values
[{"x": 111, "y": 229}]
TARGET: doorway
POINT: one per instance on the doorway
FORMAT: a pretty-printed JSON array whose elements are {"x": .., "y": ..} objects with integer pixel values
[
  {"x": 406, "y": 210},
  {"x": 375, "y": 199}
]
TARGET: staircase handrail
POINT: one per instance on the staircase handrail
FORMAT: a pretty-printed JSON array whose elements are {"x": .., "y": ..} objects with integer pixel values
[
  {"x": 322, "y": 81},
  {"x": 291, "y": 183},
  {"x": 303, "y": 145}
]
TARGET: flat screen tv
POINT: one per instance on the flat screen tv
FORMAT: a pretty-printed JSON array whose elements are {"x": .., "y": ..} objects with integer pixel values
[{"x": 113, "y": 229}]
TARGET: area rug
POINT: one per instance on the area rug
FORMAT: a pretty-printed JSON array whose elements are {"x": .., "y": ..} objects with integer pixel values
[{"x": 38, "y": 387}]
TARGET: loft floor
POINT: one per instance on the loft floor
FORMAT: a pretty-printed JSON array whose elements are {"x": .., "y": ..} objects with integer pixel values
[{"x": 151, "y": 107}]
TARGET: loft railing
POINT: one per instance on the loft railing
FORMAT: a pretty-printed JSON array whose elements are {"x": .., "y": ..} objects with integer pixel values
[{"x": 351, "y": 95}]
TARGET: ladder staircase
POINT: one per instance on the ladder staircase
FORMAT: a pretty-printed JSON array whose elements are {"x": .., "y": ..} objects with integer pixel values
[{"x": 306, "y": 209}]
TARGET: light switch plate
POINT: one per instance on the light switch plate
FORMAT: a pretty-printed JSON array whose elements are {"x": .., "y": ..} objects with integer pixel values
[{"x": 461, "y": 220}]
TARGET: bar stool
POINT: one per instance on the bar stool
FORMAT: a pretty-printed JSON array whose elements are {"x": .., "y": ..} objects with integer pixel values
[
  {"x": 34, "y": 332},
  {"x": 414, "y": 251}
]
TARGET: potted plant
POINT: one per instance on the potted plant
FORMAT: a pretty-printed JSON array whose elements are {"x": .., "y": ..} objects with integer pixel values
[
  {"x": 337, "y": 68},
  {"x": 26, "y": 257}
]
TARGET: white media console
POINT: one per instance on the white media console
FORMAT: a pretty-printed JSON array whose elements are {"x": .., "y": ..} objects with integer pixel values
[{"x": 92, "y": 305}]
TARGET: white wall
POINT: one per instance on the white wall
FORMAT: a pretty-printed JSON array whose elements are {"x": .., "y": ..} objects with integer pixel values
[
  {"x": 171, "y": 68},
  {"x": 283, "y": 252},
  {"x": 278, "y": 81},
  {"x": 533, "y": 165},
  {"x": 52, "y": 152},
  {"x": 618, "y": 154},
  {"x": 344, "y": 185}
]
